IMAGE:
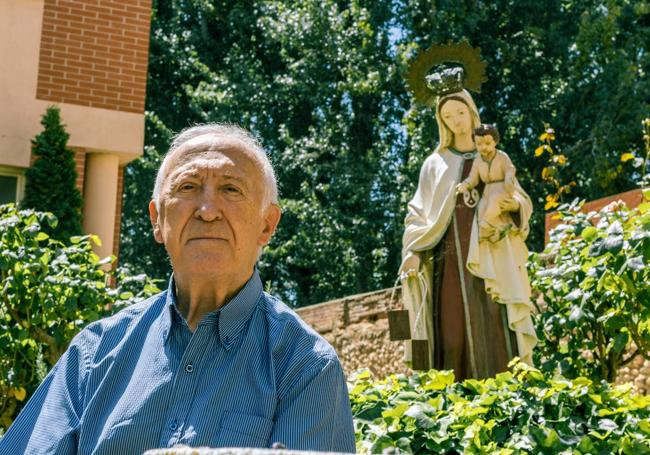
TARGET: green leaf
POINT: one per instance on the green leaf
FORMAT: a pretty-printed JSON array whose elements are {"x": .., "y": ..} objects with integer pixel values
[
  {"x": 396, "y": 412},
  {"x": 607, "y": 425},
  {"x": 404, "y": 444},
  {"x": 620, "y": 342},
  {"x": 76, "y": 239},
  {"x": 407, "y": 396},
  {"x": 613, "y": 244},
  {"x": 635, "y": 263},
  {"x": 439, "y": 380},
  {"x": 41, "y": 236},
  {"x": 422, "y": 420},
  {"x": 589, "y": 233}
]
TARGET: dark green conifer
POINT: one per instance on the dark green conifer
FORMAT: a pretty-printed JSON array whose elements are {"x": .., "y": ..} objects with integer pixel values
[{"x": 51, "y": 180}]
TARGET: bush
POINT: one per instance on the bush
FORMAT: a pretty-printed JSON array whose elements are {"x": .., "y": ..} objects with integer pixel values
[
  {"x": 50, "y": 291},
  {"x": 595, "y": 283},
  {"x": 519, "y": 411}
]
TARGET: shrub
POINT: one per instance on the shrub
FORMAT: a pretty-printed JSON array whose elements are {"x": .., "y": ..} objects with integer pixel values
[
  {"x": 51, "y": 180},
  {"x": 595, "y": 284},
  {"x": 50, "y": 291},
  {"x": 516, "y": 412}
]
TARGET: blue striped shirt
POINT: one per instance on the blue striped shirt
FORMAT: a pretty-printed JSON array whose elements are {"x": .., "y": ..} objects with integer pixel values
[{"x": 253, "y": 373}]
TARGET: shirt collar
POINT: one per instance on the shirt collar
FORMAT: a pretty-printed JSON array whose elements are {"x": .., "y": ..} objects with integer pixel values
[{"x": 231, "y": 318}]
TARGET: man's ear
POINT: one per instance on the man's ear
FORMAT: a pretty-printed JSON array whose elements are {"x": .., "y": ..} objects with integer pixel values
[
  {"x": 271, "y": 220},
  {"x": 155, "y": 224}
]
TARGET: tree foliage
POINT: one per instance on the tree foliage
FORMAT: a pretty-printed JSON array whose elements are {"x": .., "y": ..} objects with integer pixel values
[
  {"x": 50, "y": 290},
  {"x": 51, "y": 179},
  {"x": 320, "y": 81}
]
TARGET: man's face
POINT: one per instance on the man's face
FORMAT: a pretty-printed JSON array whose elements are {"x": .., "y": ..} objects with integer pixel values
[
  {"x": 485, "y": 145},
  {"x": 211, "y": 216}
]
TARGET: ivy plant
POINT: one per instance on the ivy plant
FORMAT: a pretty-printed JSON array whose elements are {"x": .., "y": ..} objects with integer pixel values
[
  {"x": 594, "y": 280},
  {"x": 520, "y": 411},
  {"x": 49, "y": 291}
]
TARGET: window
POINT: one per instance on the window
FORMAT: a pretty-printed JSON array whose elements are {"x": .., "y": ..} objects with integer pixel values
[{"x": 12, "y": 184}]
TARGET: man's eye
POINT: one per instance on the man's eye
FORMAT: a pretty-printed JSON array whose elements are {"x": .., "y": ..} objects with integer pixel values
[
  {"x": 232, "y": 190},
  {"x": 186, "y": 186}
]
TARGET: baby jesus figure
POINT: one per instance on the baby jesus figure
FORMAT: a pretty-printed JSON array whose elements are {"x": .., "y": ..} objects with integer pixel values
[
  {"x": 494, "y": 168},
  {"x": 497, "y": 249}
]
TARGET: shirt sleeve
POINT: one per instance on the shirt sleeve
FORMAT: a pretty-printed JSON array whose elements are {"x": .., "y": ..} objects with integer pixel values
[
  {"x": 49, "y": 423},
  {"x": 315, "y": 413}
]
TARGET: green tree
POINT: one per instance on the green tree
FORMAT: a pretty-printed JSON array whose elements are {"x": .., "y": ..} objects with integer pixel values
[
  {"x": 51, "y": 180},
  {"x": 320, "y": 81},
  {"x": 317, "y": 81},
  {"x": 580, "y": 66}
]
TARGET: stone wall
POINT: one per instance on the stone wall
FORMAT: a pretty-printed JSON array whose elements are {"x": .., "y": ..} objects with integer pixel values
[{"x": 357, "y": 327}]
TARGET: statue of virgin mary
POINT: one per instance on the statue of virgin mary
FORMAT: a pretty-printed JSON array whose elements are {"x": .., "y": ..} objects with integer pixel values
[{"x": 467, "y": 330}]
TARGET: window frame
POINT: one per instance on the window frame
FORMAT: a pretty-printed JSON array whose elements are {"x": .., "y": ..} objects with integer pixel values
[{"x": 20, "y": 181}]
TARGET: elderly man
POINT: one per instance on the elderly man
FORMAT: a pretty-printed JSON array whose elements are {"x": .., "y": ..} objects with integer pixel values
[{"x": 213, "y": 360}]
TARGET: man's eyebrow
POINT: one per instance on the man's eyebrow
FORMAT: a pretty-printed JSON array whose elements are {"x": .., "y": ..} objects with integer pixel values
[
  {"x": 234, "y": 177},
  {"x": 184, "y": 174}
]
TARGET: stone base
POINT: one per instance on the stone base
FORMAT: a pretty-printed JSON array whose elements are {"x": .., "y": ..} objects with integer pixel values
[{"x": 231, "y": 451}]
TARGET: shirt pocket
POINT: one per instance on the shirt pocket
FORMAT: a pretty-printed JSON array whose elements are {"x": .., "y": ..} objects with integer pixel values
[{"x": 244, "y": 430}]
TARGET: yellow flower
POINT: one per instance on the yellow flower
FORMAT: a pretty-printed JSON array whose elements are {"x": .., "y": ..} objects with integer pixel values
[
  {"x": 548, "y": 135},
  {"x": 19, "y": 393},
  {"x": 560, "y": 159},
  {"x": 627, "y": 157},
  {"x": 541, "y": 149},
  {"x": 547, "y": 173},
  {"x": 551, "y": 202}
]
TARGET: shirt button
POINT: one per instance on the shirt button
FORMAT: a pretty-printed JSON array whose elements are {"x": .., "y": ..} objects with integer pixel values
[
  {"x": 189, "y": 368},
  {"x": 173, "y": 426}
]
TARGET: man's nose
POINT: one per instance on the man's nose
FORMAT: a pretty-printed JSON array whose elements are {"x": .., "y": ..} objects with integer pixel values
[{"x": 209, "y": 208}]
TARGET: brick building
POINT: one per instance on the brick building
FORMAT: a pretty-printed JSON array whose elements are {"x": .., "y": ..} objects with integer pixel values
[{"x": 89, "y": 57}]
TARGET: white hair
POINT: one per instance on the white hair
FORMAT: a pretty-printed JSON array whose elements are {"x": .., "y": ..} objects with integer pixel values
[{"x": 247, "y": 141}]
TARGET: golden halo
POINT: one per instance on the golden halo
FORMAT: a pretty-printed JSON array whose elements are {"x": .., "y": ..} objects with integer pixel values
[{"x": 462, "y": 53}]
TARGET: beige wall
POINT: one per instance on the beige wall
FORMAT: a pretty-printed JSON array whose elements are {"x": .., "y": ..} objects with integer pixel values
[{"x": 91, "y": 129}]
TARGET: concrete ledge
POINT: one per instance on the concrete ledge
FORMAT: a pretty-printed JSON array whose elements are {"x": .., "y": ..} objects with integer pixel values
[{"x": 232, "y": 451}]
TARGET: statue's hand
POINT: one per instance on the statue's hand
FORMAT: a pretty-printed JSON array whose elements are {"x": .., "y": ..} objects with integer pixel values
[
  {"x": 509, "y": 205},
  {"x": 462, "y": 187},
  {"x": 411, "y": 264}
]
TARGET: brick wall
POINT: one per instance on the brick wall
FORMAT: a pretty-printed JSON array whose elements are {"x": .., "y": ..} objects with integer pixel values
[
  {"x": 94, "y": 53},
  {"x": 357, "y": 327},
  {"x": 80, "y": 160}
]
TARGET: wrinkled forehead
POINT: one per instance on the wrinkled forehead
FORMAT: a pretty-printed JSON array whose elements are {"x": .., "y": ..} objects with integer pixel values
[{"x": 211, "y": 151}]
